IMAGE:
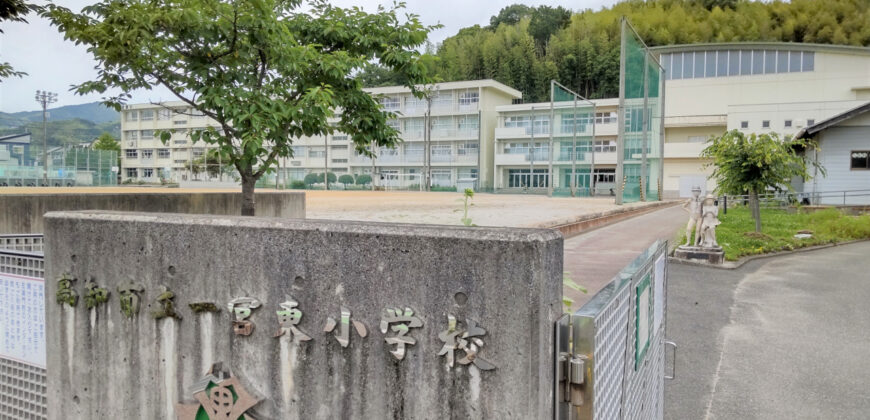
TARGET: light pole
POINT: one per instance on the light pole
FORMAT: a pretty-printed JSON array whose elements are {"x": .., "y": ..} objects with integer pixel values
[{"x": 45, "y": 98}]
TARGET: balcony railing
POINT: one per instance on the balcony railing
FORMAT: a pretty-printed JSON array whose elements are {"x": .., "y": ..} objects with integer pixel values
[{"x": 417, "y": 159}]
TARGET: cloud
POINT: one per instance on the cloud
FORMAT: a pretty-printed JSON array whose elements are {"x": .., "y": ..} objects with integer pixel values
[{"x": 54, "y": 64}]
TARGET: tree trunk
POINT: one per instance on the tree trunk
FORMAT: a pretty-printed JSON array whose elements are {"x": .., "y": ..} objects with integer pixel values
[
  {"x": 756, "y": 210},
  {"x": 248, "y": 204}
]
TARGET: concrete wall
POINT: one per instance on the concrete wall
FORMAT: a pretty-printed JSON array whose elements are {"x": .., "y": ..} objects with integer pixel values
[
  {"x": 103, "y": 365},
  {"x": 23, "y": 213}
]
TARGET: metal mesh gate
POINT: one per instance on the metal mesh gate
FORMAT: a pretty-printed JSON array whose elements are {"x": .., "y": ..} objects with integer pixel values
[
  {"x": 611, "y": 352},
  {"x": 22, "y": 329}
]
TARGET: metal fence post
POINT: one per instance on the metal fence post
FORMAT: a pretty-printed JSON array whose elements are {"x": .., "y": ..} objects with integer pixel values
[{"x": 725, "y": 204}]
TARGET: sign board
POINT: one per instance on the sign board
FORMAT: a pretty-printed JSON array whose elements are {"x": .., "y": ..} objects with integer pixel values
[
  {"x": 114, "y": 169},
  {"x": 22, "y": 319}
]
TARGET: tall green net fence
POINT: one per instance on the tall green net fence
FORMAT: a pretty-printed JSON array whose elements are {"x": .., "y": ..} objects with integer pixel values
[
  {"x": 641, "y": 114},
  {"x": 572, "y": 157},
  {"x": 67, "y": 167}
]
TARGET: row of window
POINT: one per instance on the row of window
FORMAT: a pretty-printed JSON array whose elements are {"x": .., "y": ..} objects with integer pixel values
[
  {"x": 441, "y": 100},
  {"x": 766, "y": 124},
  {"x": 161, "y": 153},
  {"x": 540, "y": 178},
  {"x": 601, "y": 146},
  {"x": 703, "y": 64},
  {"x": 162, "y": 115}
]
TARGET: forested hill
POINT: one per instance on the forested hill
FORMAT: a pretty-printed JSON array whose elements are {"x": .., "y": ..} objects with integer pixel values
[{"x": 525, "y": 47}]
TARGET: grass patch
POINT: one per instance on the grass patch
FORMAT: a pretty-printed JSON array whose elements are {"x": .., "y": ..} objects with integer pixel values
[{"x": 737, "y": 234}]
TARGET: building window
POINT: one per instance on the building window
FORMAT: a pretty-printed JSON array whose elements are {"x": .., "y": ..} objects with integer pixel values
[
  {"x": 339, "y": 161},
  {"x": 163, "y": 153},
  {"x": 147, "y": 154},
  {"x": 132, "y": 115},
  {"x": 605, "y": 146},
  {"x": 198, "y": 152},
  {"x": 518, "y": 121},
  {"x": 744, "y": 124},
  {"x": 860, "y": 159},
  {"x": 605, "y": 117},
  {"x": 131, "y": 135},
  {"x": 443, "y": 150},
  {"x": 147, "y": 172},
  {"x": 443, "y": 101},
  {"x": 164, "y": 115},
  {"x": 390, "y": 103},
  {"x": 516, "y": 148},
  {"x": 147, "y": 115},
  {"x": 339, "y": 137},
  {"x": 469, "y": 99},
  {"x": 469, "y": 123},
  {"x": 147, "y": 135},
  {"x": 132, "y": 173},
  {"x": 179, "y": 122},
  {"x": 765, "y": 124},
  {"x": 414, "y": 105},
  {"x": 697, "y": 139},
  {"x": 441, "y": 126},
  {"x": 131, "y": 153},
  {"x": 179, "y": 142},
  {"x": 787, "y": 123},
  {"x": 467, "y": 149},
  {"x": 810, "y": 122},
  {"x": 606, "y": 175},
  {"x": 316, "y": 152}
]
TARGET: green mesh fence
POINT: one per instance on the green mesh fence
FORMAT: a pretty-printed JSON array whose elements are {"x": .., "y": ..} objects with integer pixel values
[
  {"x": 572, "y": 155},
  {"x": 67, "y": 167},
  {"x": 640, "y": 119}
]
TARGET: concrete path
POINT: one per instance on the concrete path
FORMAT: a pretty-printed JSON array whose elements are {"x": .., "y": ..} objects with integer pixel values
[
  {"x": 592, "y": 259},
  {"x": 780, "y": 338}
]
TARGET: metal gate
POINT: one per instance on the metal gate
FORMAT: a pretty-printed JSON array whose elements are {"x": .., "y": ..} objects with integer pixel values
[
  {"x": 611, "y": 352},
  {"x": 22, "y": 328}
]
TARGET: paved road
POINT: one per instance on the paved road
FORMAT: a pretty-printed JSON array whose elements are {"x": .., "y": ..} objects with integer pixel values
[
  {"x": 780, "y": 338},
  {"x": 595, "y": 257}
]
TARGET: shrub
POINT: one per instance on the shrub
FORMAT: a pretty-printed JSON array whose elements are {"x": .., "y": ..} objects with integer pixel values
[
  {"x": 363, "y": 179},
  {"x": 346, "y": 179},
  {"x": 312, "y": 178},
  {"x": 297, "y": 185}
]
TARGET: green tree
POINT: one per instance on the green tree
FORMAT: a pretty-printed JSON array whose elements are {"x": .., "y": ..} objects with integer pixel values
[
  {"x": 755, "y": 164},
  {"x": 107, "y": 142},
  {"x": 346, "y": 179},
  {"x": 312, "y": 178},
  {"x": 510, "y": 15},
  {"x": 545, "y": 22},
  {"x": 267, "y": 71},
  {"x": 363, "y": 179}
]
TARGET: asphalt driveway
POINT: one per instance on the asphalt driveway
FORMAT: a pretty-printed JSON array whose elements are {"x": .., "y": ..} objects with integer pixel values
[{"x": 780, "y": 338}]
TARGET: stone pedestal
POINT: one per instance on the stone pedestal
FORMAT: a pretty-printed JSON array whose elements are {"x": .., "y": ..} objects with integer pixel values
[{"x": 707, "y": 255}]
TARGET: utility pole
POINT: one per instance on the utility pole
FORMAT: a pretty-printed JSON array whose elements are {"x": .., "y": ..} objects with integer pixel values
[
  {"x": 45, "y": 98},
  {"x": 430, "y": 92}
]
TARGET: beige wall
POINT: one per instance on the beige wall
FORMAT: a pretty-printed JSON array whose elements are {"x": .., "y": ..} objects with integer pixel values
[
  {"x": 675, "y": 168},
  {"x": 834, "y": 77}
]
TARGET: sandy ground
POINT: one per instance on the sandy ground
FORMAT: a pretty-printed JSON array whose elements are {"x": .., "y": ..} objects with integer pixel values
[{"x": 515, "y": 210}]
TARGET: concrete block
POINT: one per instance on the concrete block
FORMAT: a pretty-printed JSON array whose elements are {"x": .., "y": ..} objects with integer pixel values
[
  {"x": 102, "y": 364},
  {"x": 22, "y": 213}
]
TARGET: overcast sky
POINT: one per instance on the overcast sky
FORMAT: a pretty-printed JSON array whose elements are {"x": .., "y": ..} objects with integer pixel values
[{"x": 54, "y": 64}]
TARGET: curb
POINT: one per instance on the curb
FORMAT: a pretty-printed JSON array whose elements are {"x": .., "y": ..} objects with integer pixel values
[
  {"x": 596, "y": 221},
  {"x": 733, "y": 265}
]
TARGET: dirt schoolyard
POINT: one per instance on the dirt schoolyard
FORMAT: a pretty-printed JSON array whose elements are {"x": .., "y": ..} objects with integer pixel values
[{"x": 515, "y": 210}]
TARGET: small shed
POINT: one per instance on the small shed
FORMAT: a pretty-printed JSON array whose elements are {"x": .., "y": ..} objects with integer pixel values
[
  {"x": 15, "y": 150},
  {"x": 844, "y": 151}
]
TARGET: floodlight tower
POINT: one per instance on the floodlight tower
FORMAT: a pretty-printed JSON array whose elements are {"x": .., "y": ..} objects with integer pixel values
[{"x": 45, "y": 98}]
